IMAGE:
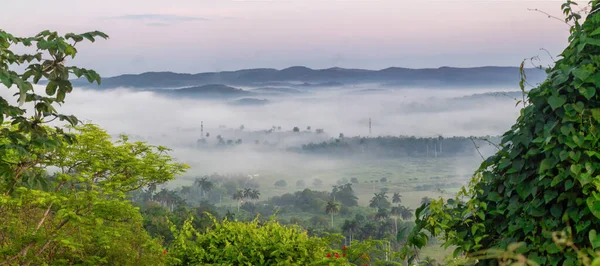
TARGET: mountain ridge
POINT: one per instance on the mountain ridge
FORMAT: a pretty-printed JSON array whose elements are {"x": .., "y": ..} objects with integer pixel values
[{"x": 391, "y": 76}]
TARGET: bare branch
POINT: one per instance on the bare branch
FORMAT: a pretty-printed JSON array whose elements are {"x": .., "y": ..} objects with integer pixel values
[
  {"x": 477, "y": 148},
  {"x": 547, "y": 52},
  {"x": 550, "y": 16}
]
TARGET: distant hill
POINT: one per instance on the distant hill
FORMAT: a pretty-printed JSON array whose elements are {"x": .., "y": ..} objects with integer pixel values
[
  {"x": 499, "y": 94},
  {"x": 250, "y": 101},
  {"x": 276, "y": 90},
  {"x": 206, "y": 91},
  {"x": 303, "y": 76}
]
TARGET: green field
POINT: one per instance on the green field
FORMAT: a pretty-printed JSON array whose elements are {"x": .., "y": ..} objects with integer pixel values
[{"x": 403, "y": 175}]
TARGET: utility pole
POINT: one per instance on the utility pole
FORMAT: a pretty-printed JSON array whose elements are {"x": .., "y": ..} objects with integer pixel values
[
  {"x": 202, "y": 129},
  {"x": 369, "y": 126}
]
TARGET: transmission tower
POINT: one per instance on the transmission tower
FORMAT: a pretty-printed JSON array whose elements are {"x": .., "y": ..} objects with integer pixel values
[
  {"x": 202, "y": 129},
  {"x": 369, "y": 126}
]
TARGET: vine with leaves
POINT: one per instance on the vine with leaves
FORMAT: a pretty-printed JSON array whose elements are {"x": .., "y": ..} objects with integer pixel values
[{"x": 546, "y": 176}]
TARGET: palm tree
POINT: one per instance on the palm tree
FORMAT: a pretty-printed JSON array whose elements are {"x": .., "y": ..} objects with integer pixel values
[
  {"x": 350, "y": 226},
  {"x": 238, "y": 196},
  {"x": 406, "y": 213},
  {"x": 250, "y": 193},
  {"x": 379, "y": 200},
  {"x": 186, "y": 191},
  {"x": 426, "y": 200},
  {"x": 396, "y": 198},
  {"x": 204, "y": 184},
  {"x": 396, "y": 211},
  {"x": 381, "y": 215},
  {"x": 332, "y": 208},
  {"x": 428, "y": 261},
  {"x": 254, "y": 194}
]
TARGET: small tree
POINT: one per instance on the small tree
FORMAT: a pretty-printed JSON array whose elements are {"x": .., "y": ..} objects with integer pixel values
[
  {"x": 332, "y": 208},
  {"x": 300, "y": 183},
  {"x": 396, "y": 198},
  {"x": 239, "y": 197},
  {"x": 281, "y": 183},
  {"x": 296, "y": 129}
]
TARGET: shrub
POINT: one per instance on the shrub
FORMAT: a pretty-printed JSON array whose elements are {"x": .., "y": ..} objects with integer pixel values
[
  {"x": 281, "y": 183},
  {"x": 249, "y": 243}
]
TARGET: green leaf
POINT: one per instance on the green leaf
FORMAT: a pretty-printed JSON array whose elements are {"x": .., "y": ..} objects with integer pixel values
[
  {"x": 51, "y": 88},
  {"x": 550, "y": 195},
  {"x": 593, "y": 205},
  {"x": 88, "y": 36},
  {"x": 7, "y": 81},
  {"x": 585, "y": 178},
  {"x": 591, "y": 41},
  {"x": 582, "y": 73},
  {"x": 546, "y": 164},
  {"x": 596, "y": 114},
  {"x": 569, "y": 184},
  {"x": 587, "y": 92},
  {"x": 575, "y": 155},
  {"x": 557, "y": 101},
  {"x": 60, "y": 96},
  {"x": 563, "y": 155},
  {"x": 576, "y": 169},
  {"x": 594, "y": 239},
  {"x": 556, "y": 210},
  {"x": 524, "y": 189},
  {"x": 494, "y": 196},
  {"x": 596, "y": 32},
  {"x": 579, "y": 107}
]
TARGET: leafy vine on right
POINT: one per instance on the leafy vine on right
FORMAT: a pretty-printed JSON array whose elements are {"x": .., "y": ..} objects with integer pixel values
[{"x": 539, "y": 196}]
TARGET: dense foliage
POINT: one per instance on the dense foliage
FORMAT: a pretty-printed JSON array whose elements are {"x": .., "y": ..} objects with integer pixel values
[
  {"x": 247, "y": 243},
  {"x": 542, "y": 187},
  {"x": 79, "y": 213}
]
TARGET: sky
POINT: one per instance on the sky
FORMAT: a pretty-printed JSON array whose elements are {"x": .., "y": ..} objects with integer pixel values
[{"x": 192, "y": 36}]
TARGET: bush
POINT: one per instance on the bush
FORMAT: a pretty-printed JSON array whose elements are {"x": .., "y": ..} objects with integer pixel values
[
  {"x": 250, "y": 243},
  {"x": 281, "y": 183}
]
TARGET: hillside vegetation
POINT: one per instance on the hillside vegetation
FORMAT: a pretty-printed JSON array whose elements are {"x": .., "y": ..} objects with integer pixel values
[
  {"x": 539, "y": 195},
  {"x": 72, "y": 195}
]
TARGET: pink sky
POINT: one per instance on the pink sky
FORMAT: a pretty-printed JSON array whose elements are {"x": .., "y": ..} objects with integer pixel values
[{"x": 206, "y": 35}]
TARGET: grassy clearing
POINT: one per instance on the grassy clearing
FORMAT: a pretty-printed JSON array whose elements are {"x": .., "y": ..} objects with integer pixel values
[{"x": 414, "y": 178}]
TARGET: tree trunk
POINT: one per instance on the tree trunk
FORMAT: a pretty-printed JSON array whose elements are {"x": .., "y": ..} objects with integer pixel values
[
  {"x": 396, "y": 225},
  {"x": 332, "y": 220}
]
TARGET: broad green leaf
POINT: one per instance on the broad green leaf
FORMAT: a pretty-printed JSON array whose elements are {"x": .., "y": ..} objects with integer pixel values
[
  {"x": 595, "y": 42},
  {"x": 51, "y": 88},
  {"x": 557, "y": 101},
  {"x": 494, "y": 196},
  {"x": 596, "y": 114},
  {"x": 581, "y": 73},
  {"x": 546, "y": 164},
  {"x": 594, "y": 206},
  {"x": 587, "y": 92}
]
